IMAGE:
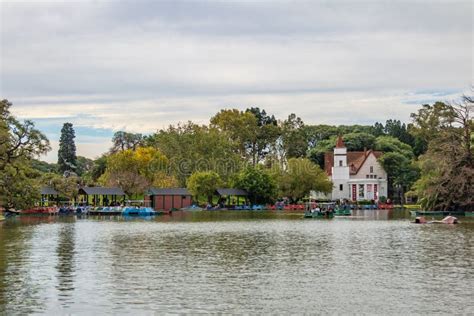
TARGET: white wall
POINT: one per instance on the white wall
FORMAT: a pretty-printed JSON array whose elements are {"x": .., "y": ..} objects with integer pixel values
[
  {"x": 337, "y": 193},
  {"x": 365, "y": 169}
]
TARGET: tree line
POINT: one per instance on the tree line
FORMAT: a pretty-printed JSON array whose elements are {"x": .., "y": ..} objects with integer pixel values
[{"x": 429, "y": 158}]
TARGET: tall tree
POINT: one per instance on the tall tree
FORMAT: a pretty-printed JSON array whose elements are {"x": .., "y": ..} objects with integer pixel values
[
  {"x": 301, "y": 177},
  {"x": 258, "y": 182},
  {"x": 204, "y": 183},
  {"x": 67, "y": 159},
  {"x": 124, "y": 140},
  {"x": 294, "y": 138},
  {"x": 447, "y": 181},
  {"x": 240, "y": 127},
  {"x": 19, "y": 143},
  {"x": 134, "y": 171},
  {"x": 359, "y": 141},
  {"x": 267, "y": 133},
  {"x": 193, "y": 147}
]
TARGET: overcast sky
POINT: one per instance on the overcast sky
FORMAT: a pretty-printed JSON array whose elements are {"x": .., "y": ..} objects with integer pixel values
[{"x": 141, "y": 65}]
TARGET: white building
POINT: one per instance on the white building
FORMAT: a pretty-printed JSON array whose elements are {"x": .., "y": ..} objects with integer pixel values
[{"x": 356, "y": 175}]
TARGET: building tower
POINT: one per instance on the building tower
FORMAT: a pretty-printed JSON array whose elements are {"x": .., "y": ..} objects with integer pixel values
[{"x": 340, "y": 172}]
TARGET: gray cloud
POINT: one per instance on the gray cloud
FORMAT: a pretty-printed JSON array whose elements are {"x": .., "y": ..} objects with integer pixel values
[{"x": 329, "y": 61}]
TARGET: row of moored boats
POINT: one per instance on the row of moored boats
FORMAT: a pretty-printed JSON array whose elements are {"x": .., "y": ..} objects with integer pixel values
[{"x": 83, "y": 210}]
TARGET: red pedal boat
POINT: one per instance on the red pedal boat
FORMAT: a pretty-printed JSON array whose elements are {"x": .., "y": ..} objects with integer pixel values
[{"x": 51, "y": 210}]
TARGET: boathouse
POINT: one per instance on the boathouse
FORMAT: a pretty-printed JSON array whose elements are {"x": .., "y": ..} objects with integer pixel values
[
  {"x": 101, "y": 196},
  {"x": 226, "y": 194},
  {"x": 168, "y": 199},
  {"x": 49, "y": 194}
]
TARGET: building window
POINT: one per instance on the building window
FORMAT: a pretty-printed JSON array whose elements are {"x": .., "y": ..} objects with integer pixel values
[
  {"x": 340, "y": 163},
  {"x": 371, "y": 169},
  {"x": 341, "y": 187},
  {"x": 361, "y": 191},
  {"x": 367, "y": 176}
]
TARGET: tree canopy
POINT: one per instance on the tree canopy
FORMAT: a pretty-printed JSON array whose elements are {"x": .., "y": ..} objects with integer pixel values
[
  {"x": 204, "y": 183},
  {"x": 447, "y": 168},
  {"x": 67, "y": 160},
  {"x": 258, "y": 182},
  {"x": 252, "y": 150},
  {"x": 301, "y": 177},
  {"x": 20, "y": 142},
  {"x": 135, "y": 171}
]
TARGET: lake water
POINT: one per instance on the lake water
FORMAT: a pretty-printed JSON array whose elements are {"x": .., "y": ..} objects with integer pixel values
[{"x": 235, "y": 262}]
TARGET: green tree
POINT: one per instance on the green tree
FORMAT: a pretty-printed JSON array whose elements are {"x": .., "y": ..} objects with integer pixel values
[
  {"x": 267, "y": 133},
  {"x": 98, "y": 168},
  {"x": 258, "y": 182},
  {"x": 84, "y": 165},
  {"x": 294, "y": 139},
  {"x": 391, "y": 144},
  {"x": 398, "y": 161},
  {"x": 204, "y": 183},
  {"x": 399, "y": 130},
  {"x": 43, "y": 166},
  {"x": 124, "y": 140},
  {"x": 447, "y": 166},
  {"x": 67, "y": 186},
  {"x": 135, "y": 171},
  {"x": 301, "y": 177},
  {"x": 67, "y": 160},
  {"x": 240, "y": 127},
  {"x": 19, "y": 185},
  {"x": 20, "y": 142},
  {"x": 402, "y": 173},
  {"x": 193, "y": 147},
  {"x": 316, "y": 154},
  {"x": 359, "y": 141}
]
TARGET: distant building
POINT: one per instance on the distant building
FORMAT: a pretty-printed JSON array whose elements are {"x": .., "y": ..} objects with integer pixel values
[
  {"x": 168, "y": 199},
  {"x": 356, "y": 175}
]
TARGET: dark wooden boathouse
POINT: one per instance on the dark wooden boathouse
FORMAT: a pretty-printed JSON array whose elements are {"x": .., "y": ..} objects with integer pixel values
[
  {"x": 168, "y": 199},
  {"x": 225, "y": 194},
  {"x": 49, "y": 196},
  {"x": 102, "y": 196}
]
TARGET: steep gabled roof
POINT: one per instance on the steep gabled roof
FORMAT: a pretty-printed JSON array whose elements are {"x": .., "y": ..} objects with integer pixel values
[
  {"x": 168, "y": 191},
  {"x": 234, "y": 192},
  {"x": 355, "y": 160},
  {"x": 101, "y": 191}
]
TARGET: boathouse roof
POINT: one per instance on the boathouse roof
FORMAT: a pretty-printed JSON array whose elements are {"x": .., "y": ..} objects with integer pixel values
[
  {"x": 168, "y": 191},
  {"x": 101, "y": 191},
  {"x": 235, "y": 192},
  {"x": 49, "y": 191}
]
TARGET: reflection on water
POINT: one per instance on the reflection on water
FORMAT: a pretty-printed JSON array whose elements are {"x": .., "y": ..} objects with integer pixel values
[
  {"x": 235, "y": 262},
  {"x": 65, "y": 266}
]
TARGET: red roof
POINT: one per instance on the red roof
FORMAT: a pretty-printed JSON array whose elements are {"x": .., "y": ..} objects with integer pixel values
[
  {"x": 340, "y": 142},
  {"x": 355, "y": 160}
]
